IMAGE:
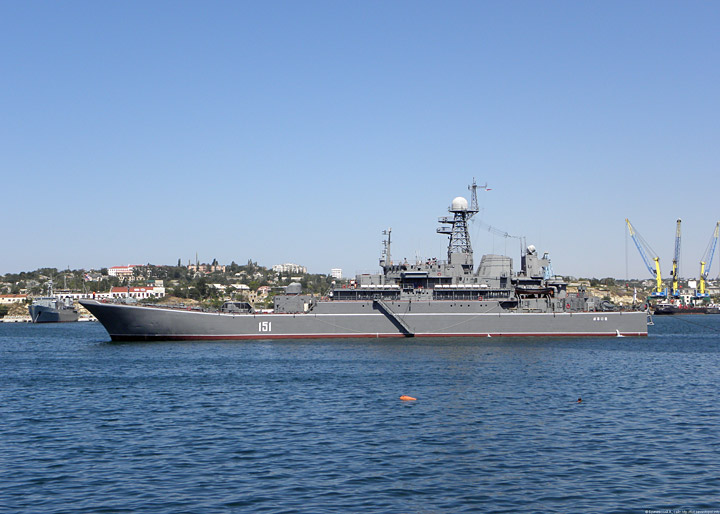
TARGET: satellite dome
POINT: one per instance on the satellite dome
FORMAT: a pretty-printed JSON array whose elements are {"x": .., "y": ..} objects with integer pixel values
[{"x": 459, "y": 204}]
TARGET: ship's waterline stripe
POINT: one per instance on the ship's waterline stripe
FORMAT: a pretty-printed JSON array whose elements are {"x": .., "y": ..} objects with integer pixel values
[{"x": 367, "y": 335}]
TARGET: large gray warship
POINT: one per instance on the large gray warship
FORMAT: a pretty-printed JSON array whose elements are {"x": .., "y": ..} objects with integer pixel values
[
  {"x": 52, "y": 309},
  {"x": 431, "y": 298}
]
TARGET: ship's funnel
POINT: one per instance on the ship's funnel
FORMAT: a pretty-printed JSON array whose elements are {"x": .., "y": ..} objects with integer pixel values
[{"x": 294, "y": 288}]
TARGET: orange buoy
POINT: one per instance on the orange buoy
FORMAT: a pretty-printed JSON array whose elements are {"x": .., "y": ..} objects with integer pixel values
[{"x": 407, "y": 398}]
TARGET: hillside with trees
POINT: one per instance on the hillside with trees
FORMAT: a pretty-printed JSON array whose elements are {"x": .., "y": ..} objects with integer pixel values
[{"x": 179, "y": 281}]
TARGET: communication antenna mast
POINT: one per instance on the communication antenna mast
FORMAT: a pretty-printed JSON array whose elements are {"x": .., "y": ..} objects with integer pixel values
[
  {"x": 386, "y": 260},
  {"x": 501, "y": 233},
  {"x": 474, "y": 209}
]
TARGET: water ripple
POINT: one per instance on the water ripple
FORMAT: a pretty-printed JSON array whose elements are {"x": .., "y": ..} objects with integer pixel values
[{"x": 317, "y": 426}]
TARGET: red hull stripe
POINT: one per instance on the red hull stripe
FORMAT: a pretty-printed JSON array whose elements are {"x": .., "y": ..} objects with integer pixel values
[{"x": 354, "y": 336}]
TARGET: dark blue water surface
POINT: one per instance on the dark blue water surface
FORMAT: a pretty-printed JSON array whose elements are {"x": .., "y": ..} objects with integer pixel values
[{"x": 90, "y": 426}]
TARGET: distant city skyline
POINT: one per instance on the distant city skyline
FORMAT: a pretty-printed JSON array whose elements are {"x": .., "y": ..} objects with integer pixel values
[{"x": 298, "y": 132}]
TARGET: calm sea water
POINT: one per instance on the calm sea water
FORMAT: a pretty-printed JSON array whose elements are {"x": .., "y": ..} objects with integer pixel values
[{"x": 90, "y": 426}]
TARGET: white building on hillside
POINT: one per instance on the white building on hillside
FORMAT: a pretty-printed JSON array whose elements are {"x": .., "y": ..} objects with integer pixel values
[
  {"x": 122, "y": 271},
  {"x": 12, "y": 298},
  {"x": 289, "y": 267},
  {"x": 137, "y": 292}
]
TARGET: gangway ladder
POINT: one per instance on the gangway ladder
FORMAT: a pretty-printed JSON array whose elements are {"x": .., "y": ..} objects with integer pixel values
[{"x": 393, "y": 317}]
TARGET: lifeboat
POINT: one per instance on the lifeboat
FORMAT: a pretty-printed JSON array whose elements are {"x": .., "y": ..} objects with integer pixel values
[{"x": 534, "y": 291}]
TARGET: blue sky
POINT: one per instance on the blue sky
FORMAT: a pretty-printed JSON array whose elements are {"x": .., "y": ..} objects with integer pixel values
[{"x": 144, "y": 132}]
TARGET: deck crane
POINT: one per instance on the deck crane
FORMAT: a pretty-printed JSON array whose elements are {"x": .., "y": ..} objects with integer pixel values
[
  {"x": 707, "y": 261},
  {"x": 654, "y": 269},
  {"x": 676, "y": 262}
]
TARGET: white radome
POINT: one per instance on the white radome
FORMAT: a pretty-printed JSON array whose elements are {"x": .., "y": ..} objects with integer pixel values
[{"x": 459, "y": 204}]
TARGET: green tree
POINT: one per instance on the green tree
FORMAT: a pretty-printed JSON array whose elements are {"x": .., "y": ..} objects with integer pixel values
[{"x": 200, "y": 289}]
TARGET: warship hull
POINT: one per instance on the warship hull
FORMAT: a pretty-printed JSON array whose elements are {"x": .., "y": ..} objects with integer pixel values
[
  {"x": 337, "y": 319},
  {"x": 46, "y": 314},
  {"x": 666, "y": 310}
]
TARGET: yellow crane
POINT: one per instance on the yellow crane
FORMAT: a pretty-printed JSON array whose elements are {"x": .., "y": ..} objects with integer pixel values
[
  {"x": 676, "y": 261},
  {"x": 707, "y": 260},
  {"x": 647, "y": 253}
]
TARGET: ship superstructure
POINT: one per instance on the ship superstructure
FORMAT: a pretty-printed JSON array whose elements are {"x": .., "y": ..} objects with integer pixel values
[{"x": 532, "y": 289}]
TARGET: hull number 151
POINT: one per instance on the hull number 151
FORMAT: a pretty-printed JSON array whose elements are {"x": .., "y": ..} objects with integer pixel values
[{"x": 265, "y": 326}]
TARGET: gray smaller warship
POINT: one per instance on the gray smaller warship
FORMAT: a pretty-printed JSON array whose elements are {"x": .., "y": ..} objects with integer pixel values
[{"x": 53, "y": 309}]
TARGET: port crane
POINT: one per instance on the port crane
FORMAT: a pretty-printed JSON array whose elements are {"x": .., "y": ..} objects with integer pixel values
[
  {"x": 707, "y": 261},
  {"x": 676, "y": 262},
  {"x": 647, "y": 253}
]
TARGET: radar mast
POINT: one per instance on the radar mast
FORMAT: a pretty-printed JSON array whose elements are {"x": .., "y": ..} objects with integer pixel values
[{"x": 459, "y": 246}]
